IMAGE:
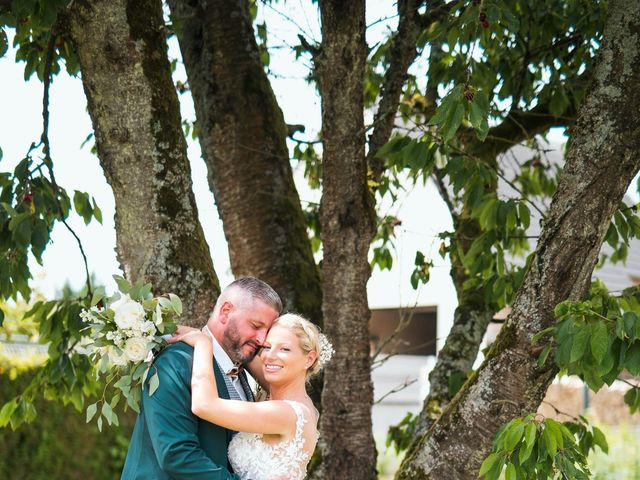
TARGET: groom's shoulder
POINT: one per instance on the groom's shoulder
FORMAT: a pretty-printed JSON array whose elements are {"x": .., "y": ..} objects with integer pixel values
[{"x": 175, "y": 354}]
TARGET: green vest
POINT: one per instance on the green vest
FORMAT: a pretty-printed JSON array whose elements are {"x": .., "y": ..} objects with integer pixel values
[{"x": 168, "y": 441}]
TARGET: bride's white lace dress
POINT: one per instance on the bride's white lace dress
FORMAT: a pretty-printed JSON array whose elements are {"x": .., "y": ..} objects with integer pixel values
[{"x": 254, "y": 459}]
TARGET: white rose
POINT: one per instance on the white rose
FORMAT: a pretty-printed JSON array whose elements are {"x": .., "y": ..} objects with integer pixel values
[
  {"x": 127, "y": 313},
  {"x": 116, "y": 358},
  {"x": 136, "y": 349}
]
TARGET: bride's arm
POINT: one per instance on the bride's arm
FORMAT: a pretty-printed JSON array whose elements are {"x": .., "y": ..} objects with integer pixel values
[{"x": 275, "y": 417}]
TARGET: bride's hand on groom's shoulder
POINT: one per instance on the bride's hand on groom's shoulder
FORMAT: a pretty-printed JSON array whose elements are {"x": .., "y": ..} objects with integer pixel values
[{"x": 188, "y": 335}]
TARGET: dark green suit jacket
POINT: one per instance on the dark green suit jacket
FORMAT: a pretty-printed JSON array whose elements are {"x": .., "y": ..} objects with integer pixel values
[{"x": 168, "y": 441}]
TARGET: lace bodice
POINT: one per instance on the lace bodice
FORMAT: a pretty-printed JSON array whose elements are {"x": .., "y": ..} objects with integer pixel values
[{"x": 254, "y": 459}]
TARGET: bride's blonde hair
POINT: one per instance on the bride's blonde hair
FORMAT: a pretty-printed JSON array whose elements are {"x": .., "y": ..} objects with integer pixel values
[{"x": 310, "y": 339}]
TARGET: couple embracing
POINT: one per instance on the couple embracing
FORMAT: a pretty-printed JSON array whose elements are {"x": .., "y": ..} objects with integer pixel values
[{"x": 203, "y": 422}]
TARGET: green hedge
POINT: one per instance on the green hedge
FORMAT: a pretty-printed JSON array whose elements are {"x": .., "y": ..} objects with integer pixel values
[{"x": 59, "y": 444}]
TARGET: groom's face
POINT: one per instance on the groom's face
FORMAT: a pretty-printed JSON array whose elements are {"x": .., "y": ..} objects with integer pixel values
[{"x": 246, "y": 329}]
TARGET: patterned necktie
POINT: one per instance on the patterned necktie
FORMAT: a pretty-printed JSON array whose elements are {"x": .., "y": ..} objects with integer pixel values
[{"x": 235, "y": 371}]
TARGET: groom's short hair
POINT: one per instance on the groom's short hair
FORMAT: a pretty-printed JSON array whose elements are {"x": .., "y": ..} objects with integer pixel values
[{"x": 256, "y": 289}]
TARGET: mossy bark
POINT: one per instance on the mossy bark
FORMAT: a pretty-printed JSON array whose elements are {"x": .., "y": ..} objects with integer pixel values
[
  {"x": 136, "y": 118},
  {"x": 242, "y": 133},
  {"x": 601, "y": 162},
  {"x": 347, "y": 221}
]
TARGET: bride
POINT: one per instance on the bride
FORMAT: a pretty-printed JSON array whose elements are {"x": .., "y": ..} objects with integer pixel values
[{"x": 276, "y": 437}]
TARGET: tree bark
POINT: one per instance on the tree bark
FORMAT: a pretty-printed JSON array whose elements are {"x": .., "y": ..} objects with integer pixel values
[
  {"x": 470, "y": 321},
  {"x": 243, "y": 138},
  {"x": 347, "y": 221},
  {"x": 601, "y": 163},
  {"x": 136, "y": 118}
]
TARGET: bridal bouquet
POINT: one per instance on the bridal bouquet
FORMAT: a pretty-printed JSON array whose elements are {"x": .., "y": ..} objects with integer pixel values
[{"x": 124, "y": 331}]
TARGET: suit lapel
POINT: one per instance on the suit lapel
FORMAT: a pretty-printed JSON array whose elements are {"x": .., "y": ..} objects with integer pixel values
[
  {"x": 223, "y": 391},
  {"x": 245, "y": 386}
]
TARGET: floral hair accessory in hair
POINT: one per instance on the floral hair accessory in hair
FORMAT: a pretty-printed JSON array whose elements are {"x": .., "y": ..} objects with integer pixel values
[{"x": 326, "y": 350}]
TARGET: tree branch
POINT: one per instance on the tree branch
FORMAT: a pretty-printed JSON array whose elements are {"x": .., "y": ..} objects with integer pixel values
[
  {"x": 53, "y": 35},
  {"x": 401, "y": 55}
]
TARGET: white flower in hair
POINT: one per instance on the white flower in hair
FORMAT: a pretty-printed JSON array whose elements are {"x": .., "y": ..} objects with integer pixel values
[{"x": 326, "y": 350}]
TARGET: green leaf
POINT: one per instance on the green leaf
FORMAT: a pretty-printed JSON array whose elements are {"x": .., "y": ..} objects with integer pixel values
[
  {"x": 7, "y": 411},
  {"x": 559, "y": 101},
  {"x": 123, "y": 284},
  {"x": 556, "y": 430},
  {"x": 479, "y": 113},
  {"x": 20, "y": 227},
  {"x": 107, "y": 412},
  {"x": 98, "y": 295},
  {"x": 154, "y": 383},
  {"x": 124, "y": 381},
  {"x": 599, "y": 340},
  {"x": 91, "y": 411},
  {"x": 97, "y": 213},
  {"x": 449, "y": 114},
  {"x": 514, "y": 435},
  {"x": 630, "y": 322},
  {"x": 620, "y": 328},
  {"x": 561, "y": 309},
  {"x": 600, "y": 440},
  {"x": 632, "y": 359},
  {"x": 510, "y": 472},
  {"x": 631, "y": 398},
  {"x": 176, "y": 303},
  {"x": 1, "y": 317},
  {"x": 550, "y": 441},
  {"x": 452, "y": 122},
  {"x": 83, "y": 206},
  {"x": 488, "y": 463},
  {"x": 524, "y": 215},
  {"x": 580, "y": 342}
]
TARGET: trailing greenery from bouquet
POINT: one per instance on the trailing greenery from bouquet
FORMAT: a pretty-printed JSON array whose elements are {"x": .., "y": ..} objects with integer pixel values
[{"x": 124, "y": 332}]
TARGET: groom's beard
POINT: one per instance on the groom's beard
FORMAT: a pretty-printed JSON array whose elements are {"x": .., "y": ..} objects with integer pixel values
[{"x": 234, "y": 345}]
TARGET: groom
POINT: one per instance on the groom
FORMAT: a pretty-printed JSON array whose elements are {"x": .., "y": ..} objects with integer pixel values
[{"x": 168, "y": 441}]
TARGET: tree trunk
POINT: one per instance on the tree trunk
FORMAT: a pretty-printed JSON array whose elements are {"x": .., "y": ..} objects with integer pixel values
[
  {"x": 455, "y": 359},
  {"x": 242, "y": 134},
  {"x": 347, "y": 221},
  {"x": 601, "y": 163},
  {"x": 136, "y": 118}
]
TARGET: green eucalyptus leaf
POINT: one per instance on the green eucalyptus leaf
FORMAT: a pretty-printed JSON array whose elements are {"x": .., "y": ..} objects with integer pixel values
[
  {"x": 154, "y": 383},
  {"x": 91, "y": 411},
  {"x": 123, "y": 284}
]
